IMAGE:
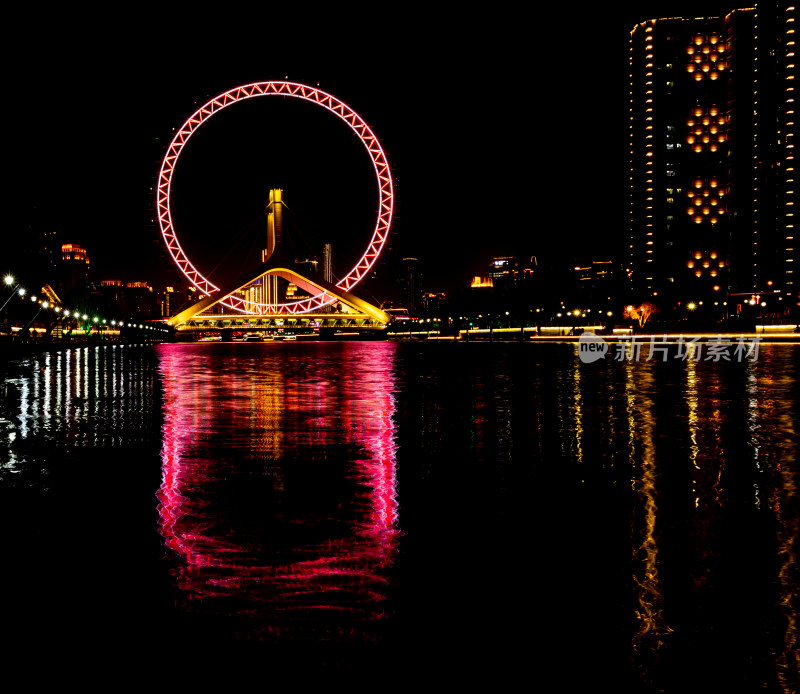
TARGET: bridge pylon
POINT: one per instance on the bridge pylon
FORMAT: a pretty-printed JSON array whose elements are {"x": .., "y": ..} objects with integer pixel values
[{"x": 276, "y": 263}]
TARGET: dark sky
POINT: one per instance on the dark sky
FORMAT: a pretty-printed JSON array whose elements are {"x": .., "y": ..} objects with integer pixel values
[{"x": 506, "y": 132}]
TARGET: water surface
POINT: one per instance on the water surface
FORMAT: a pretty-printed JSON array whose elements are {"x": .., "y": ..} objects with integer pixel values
[{"x": 464, "y": 510}]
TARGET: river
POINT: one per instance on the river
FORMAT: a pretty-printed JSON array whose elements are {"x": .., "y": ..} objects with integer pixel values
[{"x": 409, "y": 511}]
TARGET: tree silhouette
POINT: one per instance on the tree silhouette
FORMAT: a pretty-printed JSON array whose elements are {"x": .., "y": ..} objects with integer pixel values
[{"x": 640, "y": 313}]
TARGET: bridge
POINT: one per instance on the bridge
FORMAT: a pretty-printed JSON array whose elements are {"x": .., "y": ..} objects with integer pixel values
[
  {"x": 306, "y": 323},
  {"x": 258, "y": 293}
]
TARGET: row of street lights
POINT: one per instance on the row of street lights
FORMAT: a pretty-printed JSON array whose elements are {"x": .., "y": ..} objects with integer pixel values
[{"x": 95, "y": 321}]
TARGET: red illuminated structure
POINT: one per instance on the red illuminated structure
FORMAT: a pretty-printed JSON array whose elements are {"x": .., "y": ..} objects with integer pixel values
[{"x": 326, "y": 295}]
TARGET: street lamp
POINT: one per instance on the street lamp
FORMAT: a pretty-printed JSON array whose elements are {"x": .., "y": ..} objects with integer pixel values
[
  {"x": 42, "y": 306},
  {"x": 9, "y": 280}
]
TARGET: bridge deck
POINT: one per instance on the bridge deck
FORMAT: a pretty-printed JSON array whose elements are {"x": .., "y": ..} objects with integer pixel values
[{"x": 280, "y": 322}]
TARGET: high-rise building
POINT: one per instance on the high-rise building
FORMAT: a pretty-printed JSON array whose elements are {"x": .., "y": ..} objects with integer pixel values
[
  {"x": 510, "y": 273},
  {"x": 409, "y": 284},
  {"x": 595, "y": 286},
  {"x": 167, "y": 302},
  {"x": 74, "y": 268},
  {"x": 711, "y": 158},
  {"x": 774, "y": 167},
  {"x": 327, "y": 263}
]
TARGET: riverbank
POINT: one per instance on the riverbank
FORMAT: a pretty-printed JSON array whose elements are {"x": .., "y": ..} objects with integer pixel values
[
  {"x": 12, "y": 349},
  {"x": 544, "y": 335}
]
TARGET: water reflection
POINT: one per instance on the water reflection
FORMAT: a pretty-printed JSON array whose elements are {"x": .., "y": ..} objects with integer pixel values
[
  {"x": 714, "y": 454},
  {"x": 86, "y": 397},
  {"x": 778, "y": 382},
  {"x": 651, "y": 627},
  {"x": 646, "y": 510},
  {"x": 279, "y": 484}
]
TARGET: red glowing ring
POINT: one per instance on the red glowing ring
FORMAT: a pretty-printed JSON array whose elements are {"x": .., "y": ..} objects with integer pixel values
[{"x": 300, "y": 91}]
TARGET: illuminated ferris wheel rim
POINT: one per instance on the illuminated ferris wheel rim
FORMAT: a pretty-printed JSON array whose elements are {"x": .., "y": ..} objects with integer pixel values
[{"x": 306, "y": 93}]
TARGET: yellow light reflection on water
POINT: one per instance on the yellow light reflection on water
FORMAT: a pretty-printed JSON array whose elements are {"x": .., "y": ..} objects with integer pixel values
[
  {"x": 776, "y": 412},
  {"x": 651, "y": 628}
]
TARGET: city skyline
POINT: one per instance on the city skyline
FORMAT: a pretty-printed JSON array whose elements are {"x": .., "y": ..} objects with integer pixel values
[{"x": 477, "y": 141}]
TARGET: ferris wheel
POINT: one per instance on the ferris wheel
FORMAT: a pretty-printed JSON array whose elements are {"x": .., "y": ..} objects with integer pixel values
[{"x": 321, "y": 293}]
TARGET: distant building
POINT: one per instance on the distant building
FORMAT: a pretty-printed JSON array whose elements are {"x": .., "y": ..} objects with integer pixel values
[
  {"x": 112, "y": 295},
  {"x": 597, "y": 286},
  {"x": 510, "y": 273},
  {"x": 508, "y": 285},
  {"x": 74, "y": 272},
  {"x": 48, "y": 252},
  {"x": 132, "y": 299},
  {"x": 481, "y": 282},
  {"x": 409, "y": 283},
  {"x": 36, "y": 249},
  {"x": 167, "y": 303},
  {"x": 140, "y": 299},
  {"x": 327, "y": 263},
  {"x": 434, "y": 302}
]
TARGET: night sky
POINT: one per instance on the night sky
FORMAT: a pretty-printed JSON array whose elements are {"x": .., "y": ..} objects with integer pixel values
[{"x": 505, "y": 133}]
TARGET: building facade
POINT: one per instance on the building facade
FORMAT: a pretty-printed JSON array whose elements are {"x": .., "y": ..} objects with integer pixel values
[
  {"x": 774, "y": 115},
  {"x": 74, "y": 269},
  {"x": 410, "y": 285},
  {"x": 711, "y": 160}
]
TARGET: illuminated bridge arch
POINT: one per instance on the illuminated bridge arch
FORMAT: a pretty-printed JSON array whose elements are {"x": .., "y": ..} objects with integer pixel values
[{"x": 306, "y": 93}]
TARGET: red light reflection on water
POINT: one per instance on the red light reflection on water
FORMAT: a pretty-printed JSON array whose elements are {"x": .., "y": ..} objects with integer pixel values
[{"x": 329, "y": 588}]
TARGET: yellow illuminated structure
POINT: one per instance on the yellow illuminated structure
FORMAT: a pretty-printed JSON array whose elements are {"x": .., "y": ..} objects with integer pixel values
[
  {"x": 260, "y": 286},
  {"x": 73, "y": 268},
  {"x": 74, "y": 252}
]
